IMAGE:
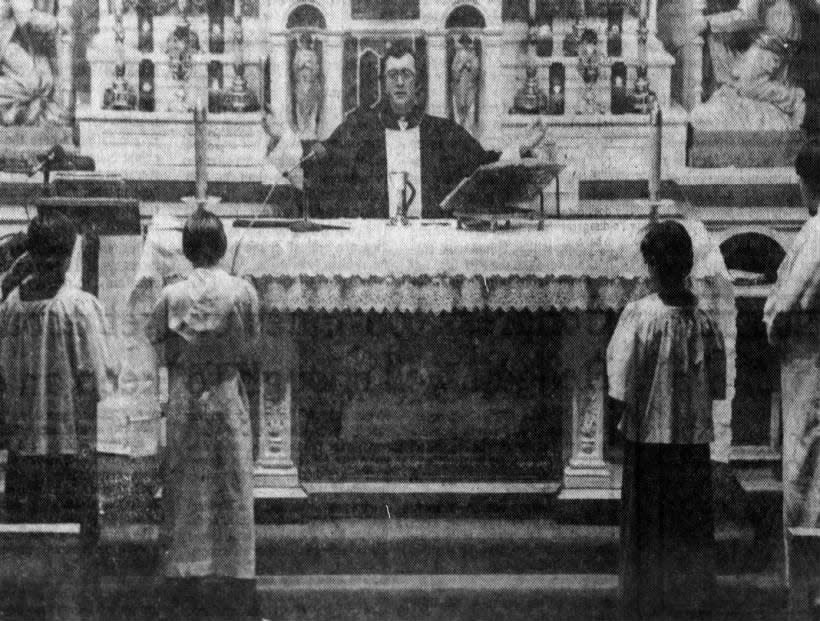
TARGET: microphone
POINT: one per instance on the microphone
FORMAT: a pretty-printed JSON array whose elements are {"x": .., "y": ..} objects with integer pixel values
[{"x": 56, "y": 153}]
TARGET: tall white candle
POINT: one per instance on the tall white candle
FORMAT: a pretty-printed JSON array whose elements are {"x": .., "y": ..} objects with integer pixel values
[
  {"x": 656, "y": 137},
  {"x": 200, "y": 152}
]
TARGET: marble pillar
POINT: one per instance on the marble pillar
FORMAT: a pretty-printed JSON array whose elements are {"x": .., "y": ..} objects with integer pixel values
[
  {"x": 490, "y": 104},
  {"x": 332, "y": 61},
  {"x": 64, "y": 93},
  {"x": 275, "y": 474},
  {"x": 280, "y": 77},
  {"x": 437, "y": 74},
  {"x": 693, "y": 50}
]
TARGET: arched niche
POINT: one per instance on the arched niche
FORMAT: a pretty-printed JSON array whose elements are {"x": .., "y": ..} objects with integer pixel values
[
  {"x": 306, "y": 16},
  {"x": 465, "y": 65},
  {"x": 752, "y": 256},
  {"x": 465, "y": 16},
  {"x": 306, "y": 66}
]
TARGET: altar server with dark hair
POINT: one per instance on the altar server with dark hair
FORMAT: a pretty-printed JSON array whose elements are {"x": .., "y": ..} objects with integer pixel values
[
  {"x": 56, "y": 363},
  {"x": 206, "y": 328},
  {"x": 666, "y": 363}
]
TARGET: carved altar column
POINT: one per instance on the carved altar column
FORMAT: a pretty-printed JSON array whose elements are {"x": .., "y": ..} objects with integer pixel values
[
  {"x": 64, "y": 85},
  {"x": 279, "y": 77},
  {"x": 275, "y": 474},
  {"x": 583, "y": 351},
  {"x": 490, "y": 104},
  {"x": 332, "y": 62},
  {"x": 693, "y": 53},
  {"x": 437, "y": 74}
]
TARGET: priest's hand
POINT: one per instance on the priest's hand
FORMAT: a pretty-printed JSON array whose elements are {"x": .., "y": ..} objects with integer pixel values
[{"x": 535, "y": 135}]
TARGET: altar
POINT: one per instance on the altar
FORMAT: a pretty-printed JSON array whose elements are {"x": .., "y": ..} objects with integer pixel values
[{"x": 435, "y": 300}]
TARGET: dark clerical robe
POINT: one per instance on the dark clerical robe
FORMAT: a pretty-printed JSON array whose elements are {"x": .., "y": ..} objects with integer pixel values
[{"x": 352, "y": 180}]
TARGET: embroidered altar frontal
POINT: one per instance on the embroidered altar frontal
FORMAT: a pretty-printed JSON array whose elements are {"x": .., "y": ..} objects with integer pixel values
[{"x": 430, "y": 353}]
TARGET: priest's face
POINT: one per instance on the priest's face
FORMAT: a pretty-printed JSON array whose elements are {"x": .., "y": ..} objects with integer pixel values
[{"x": 400, "y": 83}]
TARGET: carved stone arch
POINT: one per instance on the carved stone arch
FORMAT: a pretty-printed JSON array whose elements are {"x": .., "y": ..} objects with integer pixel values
[
  {"x": 465, "y": 15},
  {"x": 439, "y": 13},
  {"x": 755, "y": 250},
  {"x": 332, "y": 14},
  {"x": 306, "y": 15}
]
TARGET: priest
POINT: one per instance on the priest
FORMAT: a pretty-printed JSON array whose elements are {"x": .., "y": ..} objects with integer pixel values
[{"x": 393, "y": 157}]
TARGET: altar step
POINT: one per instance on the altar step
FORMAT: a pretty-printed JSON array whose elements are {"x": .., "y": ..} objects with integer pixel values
[
  {"x": 435, "y": 546},
  {"x": 455, "y": 597}
]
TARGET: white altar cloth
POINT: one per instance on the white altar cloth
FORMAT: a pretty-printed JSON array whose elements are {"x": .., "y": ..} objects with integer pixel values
[{"x": 572, "y": 265}]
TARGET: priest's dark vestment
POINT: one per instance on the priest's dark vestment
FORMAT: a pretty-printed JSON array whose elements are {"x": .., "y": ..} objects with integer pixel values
[{"x": 352, "y": 180}]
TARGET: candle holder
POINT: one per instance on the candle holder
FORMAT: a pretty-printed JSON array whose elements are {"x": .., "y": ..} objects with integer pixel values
[
  {"x": 572, "y": 39},
  {"x": 589, "y": 67},
  {"x": 642, "y": 96},
  {"x": 180, "y": 47},
  {"x": 530, "y": 99},
  {"x": 120, "y": 95},
  {"x": 239, "y": 97},
  {"x": 544, "y": 42},
  {"x": 614, "y": 30}
]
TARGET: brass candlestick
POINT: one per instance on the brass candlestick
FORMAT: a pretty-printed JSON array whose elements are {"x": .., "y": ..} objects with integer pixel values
[
  {"x": 120, "y": 95},
  {"x": 240, "y": 98}
]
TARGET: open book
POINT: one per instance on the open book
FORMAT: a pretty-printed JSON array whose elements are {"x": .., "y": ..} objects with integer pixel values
[{"x": 501, "y": 187}]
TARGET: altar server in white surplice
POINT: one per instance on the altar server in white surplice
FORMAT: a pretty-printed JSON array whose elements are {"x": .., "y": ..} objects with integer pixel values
[
  {"x": 206, "y": 327},
  {"x": 55, "y": 365},
  {"x": 791, "y": 316}
]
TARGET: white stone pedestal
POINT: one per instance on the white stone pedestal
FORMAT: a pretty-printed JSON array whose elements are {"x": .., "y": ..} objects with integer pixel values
[
  {"x": 275, "y": 474},
  {"x": 586, "y": 474}
]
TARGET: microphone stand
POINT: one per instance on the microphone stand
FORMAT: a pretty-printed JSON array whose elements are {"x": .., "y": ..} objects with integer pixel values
[{"x": 305, "y": 224}]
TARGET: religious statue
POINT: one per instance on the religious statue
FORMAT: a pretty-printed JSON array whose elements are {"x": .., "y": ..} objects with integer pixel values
[
  {"x": 465, "y": 71},
  {"x": 755, "y": 90},
  {"x": 307, "y": 86},
  {"x": 27, "y": 84}
]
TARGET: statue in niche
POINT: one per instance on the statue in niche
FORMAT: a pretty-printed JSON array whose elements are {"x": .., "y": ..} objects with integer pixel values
[
  {"x": 755, "y": 91},
  {"x": 465, "y": 72},
  {"x": 27, "y": 58},
  {"x": 307, "y": 86}
]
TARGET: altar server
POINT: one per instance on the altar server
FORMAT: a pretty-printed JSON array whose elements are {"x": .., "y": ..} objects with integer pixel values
[
  {"x": 367, "y": 164},
  {"x": 206, "y": 328},
  {"x": 666, "y": 363},
  {"x": 56, "y": 363},
  {"x": 795, "y": 299}
]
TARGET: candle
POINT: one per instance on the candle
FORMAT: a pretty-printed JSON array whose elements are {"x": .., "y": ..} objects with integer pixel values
[
  {"x": 237, "y": 9},
  {"x": 656, "y": 136},
  {"x": 200, "y": 152}
]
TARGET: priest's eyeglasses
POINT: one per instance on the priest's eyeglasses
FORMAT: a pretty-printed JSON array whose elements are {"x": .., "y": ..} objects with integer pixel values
[{"x": 405, "y": 74}]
